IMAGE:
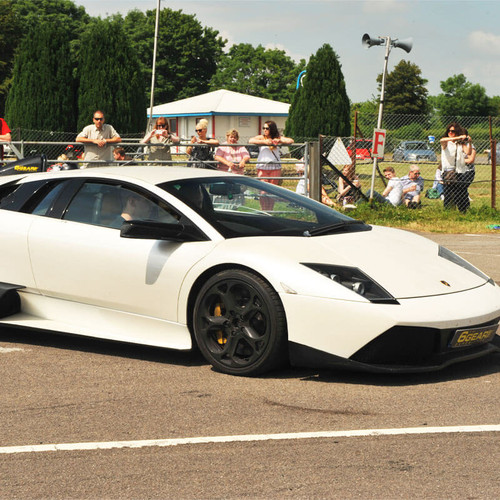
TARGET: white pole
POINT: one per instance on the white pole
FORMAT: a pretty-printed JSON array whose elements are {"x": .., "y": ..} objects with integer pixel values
[
  {"x": 157, "y": 24},
  {"x": 381, "y": 108}
]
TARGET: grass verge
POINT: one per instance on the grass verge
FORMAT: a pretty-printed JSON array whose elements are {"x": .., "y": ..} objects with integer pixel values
[{"x": 432, "y": 219}]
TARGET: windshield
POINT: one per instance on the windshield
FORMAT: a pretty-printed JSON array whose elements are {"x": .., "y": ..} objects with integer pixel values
[{"x": 242, "y": 206}]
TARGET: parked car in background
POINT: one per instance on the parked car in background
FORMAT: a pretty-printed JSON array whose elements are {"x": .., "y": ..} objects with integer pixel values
[
  {"x": 363, "y": 149},
  {"x": 414, "y": 151}
]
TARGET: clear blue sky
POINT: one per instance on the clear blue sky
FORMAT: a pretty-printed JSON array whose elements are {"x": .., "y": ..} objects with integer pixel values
[{"x": 449, "y": 37}]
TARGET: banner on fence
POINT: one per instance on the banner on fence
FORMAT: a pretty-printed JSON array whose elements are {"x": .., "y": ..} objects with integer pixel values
[
  {"x": 378, "y": 144},
  {"x": 338, "y": 154}
]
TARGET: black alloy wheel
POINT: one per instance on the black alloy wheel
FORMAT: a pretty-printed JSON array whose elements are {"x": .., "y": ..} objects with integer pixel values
[{"x": 239, "y": 324}]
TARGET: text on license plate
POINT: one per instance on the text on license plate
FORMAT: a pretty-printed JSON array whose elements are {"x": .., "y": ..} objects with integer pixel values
[{"x": 466, "y": 337}]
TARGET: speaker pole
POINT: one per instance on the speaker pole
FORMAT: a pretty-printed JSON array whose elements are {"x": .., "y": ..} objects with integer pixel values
[{"x": 368, "y": 42}]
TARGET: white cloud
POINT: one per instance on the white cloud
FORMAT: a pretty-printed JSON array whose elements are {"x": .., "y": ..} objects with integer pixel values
[
  {"x": 279, "y": 46},
  {"x": 384, "y": 6},
  {"x": 485, "y": 42}
]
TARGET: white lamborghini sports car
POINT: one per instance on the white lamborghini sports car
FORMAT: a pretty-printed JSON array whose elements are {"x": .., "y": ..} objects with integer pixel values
[{"x": 253, "y": 275}]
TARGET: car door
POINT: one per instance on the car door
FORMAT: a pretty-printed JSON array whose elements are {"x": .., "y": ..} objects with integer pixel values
[
  {"x": 82, "y": 258},
  {"x": 15, "y": 266}
]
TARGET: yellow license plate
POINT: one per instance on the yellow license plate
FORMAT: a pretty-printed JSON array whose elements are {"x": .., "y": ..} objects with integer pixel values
[{"x": 472, "y": 336}]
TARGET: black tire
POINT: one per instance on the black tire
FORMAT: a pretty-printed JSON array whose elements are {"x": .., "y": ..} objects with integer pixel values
[{"x": 239, "y": 324}]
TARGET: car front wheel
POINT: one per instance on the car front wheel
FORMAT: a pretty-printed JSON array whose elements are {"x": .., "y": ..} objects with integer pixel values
[{"x": 239, "y": 324}]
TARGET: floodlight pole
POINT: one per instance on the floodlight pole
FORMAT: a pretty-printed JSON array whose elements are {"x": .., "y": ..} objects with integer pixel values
[
  {"x": 380, "y": 108},
  {"x": 367, "y": 41},
  {"x": 153, "y": 72}
]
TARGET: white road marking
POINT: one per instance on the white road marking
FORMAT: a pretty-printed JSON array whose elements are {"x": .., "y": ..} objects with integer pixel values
[
  {"x": 478, "y": 253},
  {"x": 9, "y": 349},
  {"x": 246, "y": 438}
]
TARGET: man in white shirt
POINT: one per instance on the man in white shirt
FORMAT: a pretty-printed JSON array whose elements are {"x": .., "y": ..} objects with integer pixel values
[
  {"x": 97, "y": 139},
  {"x": 393, "y": 193}
]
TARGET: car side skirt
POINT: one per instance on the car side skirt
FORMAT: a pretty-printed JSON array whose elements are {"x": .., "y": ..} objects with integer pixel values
[{"x": 50, "y": 314}]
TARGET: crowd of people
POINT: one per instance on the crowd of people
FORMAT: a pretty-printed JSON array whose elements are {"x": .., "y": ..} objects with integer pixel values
[{"x": 454, "y": 174}]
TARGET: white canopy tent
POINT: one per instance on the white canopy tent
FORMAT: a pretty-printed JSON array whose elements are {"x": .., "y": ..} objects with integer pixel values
[{"x": 224, "y": 109}]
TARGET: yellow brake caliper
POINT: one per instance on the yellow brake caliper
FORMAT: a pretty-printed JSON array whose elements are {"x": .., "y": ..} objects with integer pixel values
[{"x": 221, "y": 339}]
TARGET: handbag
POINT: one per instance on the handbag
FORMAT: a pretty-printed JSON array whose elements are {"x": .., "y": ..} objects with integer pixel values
[
  {"x": 201, "y": 155},
  {"x": 432, "y": 194},
  {"x": 449, "y": 177}
]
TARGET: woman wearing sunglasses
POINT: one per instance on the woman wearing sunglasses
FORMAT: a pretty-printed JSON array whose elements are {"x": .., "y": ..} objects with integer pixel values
[
  {"x": 202, "y": 154},
  {"x": 161, "y": 138},
  {"x": 269, "y": 160},
  {"x": 455, "y": 148}
]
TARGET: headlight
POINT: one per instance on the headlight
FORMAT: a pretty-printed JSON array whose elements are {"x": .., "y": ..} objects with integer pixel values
[
  {"x": 453, "y": 257},
  {"x": 356, "y": 280}
]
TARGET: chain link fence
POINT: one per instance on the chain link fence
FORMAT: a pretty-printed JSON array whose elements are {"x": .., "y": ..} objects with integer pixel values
[
  {"x": 410, "y": 140},
  {"x": 415, "y": 140}
]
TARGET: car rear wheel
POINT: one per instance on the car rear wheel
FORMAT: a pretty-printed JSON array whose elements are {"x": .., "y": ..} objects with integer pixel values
[{"x": 239, "y": 324}]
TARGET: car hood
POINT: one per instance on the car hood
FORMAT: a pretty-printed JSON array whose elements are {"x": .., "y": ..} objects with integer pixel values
[{"x": 405, "y": 264}]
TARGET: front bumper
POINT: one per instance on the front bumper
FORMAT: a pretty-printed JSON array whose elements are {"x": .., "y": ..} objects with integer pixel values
[
  {"x": 412, "y": 336},
  {"x": 398, "y": 350}
]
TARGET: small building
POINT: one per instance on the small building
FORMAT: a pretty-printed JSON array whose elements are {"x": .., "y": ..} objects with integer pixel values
[{"x": 224, "y": 110}]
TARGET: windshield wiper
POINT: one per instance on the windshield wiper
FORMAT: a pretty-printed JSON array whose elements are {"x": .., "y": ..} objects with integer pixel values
[{"x": 330, "y": 228}]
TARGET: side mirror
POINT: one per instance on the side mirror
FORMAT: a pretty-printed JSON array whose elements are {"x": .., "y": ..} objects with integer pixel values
[{"x": 153, "y": 230}]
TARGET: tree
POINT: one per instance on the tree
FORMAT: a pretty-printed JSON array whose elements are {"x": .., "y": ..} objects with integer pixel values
[
  {"x": 10, "y": 34},
  {"x": 405, "y": 91},
  {"x": 187, "y": 52},
  {"x": 461, "y": 98},
  {"x": 495, "y": 105},
  {"x": 35, "y": 13},
  {"x": 256, "y": 71},
  {"x": 320, "y": 105},
  {"x": 18, "y": 17},
  {"x": 43, "y": 90},
  {"x": 110, "y": 77}
]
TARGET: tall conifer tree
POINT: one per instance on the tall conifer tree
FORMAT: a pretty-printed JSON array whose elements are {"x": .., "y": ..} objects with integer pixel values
[
  {"x": 42, "y": 96},
  {"x": 320, "y": 105},
  {"x": 110, "y": 78}
]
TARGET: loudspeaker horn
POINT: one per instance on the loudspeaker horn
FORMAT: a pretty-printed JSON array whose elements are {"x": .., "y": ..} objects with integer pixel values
[
  {"x": 405, "y": 44},
  {"x": 368, "y": 42}
]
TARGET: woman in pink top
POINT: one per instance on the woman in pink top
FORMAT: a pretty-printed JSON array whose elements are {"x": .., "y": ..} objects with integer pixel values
[{"x": 232, "y": 158}]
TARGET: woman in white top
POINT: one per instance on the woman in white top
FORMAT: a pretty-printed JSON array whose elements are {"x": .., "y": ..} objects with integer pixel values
[
  {"x": 269, "y": 160},
  {"x": 455, "y": 147}
]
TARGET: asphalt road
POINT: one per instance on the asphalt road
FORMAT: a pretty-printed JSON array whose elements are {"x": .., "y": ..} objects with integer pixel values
[{"x": 56, "y": 389}]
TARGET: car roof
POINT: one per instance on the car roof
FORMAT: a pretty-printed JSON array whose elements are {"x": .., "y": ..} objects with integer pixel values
[{"x": 149, "y": 174}]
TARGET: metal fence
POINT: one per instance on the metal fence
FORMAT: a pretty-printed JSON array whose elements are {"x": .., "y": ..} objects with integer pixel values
[
  {"x": 414, "y": 140},
  {"x": 26, "y": 143},
  {"x": 411, "y": 140}
]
